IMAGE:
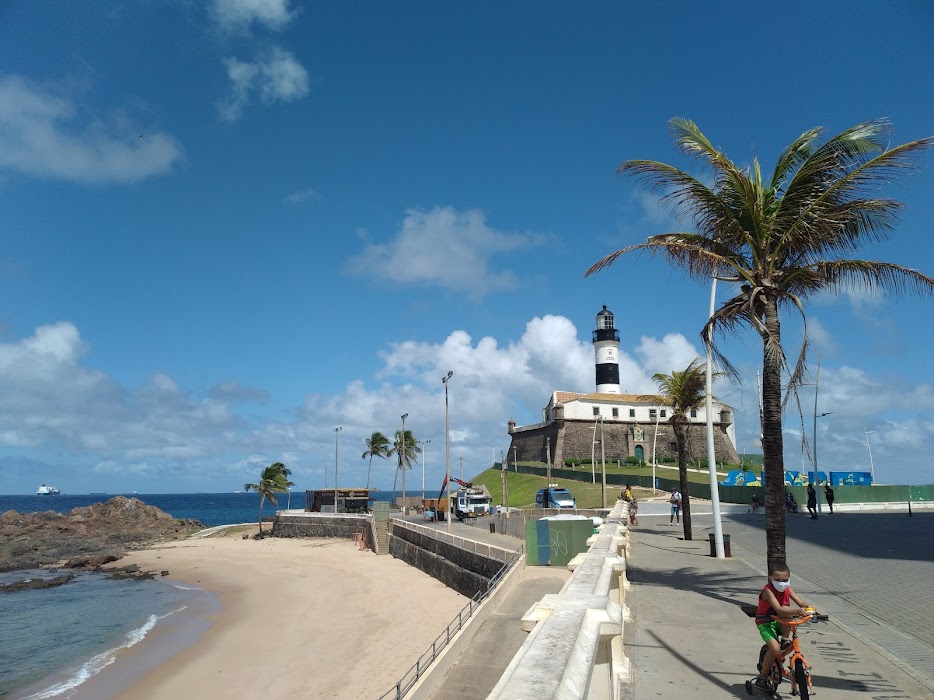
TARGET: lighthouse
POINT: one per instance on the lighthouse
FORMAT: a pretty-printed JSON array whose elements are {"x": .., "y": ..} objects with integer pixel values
[{"x": 606, "y": 353}]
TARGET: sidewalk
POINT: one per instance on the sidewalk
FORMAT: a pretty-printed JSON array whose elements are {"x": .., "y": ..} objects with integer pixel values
[{"x": 689, "y": 638}]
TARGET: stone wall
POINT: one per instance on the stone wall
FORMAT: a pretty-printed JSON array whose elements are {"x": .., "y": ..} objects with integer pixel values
[
  {"x": 322, "y": 525},
  {"x": 460, "y": 570},
  {"x": 573, "y": 439}
]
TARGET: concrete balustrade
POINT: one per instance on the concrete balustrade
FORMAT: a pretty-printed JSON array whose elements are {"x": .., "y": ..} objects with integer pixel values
[{"x": 575, "y": 644}]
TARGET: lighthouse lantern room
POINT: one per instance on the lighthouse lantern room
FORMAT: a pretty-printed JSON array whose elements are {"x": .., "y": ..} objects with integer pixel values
[{"x": 606, "y": 353}]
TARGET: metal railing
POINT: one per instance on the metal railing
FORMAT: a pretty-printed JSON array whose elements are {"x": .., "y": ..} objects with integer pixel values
[
  {"x": 488, "y": 550},
  {"x": 411, "y": 676}
]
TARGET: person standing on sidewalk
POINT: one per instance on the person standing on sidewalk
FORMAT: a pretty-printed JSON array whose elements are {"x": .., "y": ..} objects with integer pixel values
[
  {"x": 812, "y": 501},
  {"x": 755, "y": 503},
  {"x": 675, "y": 500},
  {"x": 828, "y": 494}
]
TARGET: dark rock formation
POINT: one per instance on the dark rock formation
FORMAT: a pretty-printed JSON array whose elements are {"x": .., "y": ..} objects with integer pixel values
[
  {"x": 33, "y": 583},
  {"x": 86, "y": 536}
]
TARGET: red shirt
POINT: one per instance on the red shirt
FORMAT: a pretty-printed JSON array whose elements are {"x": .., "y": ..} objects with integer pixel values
[{"x": 764, "y": 610}]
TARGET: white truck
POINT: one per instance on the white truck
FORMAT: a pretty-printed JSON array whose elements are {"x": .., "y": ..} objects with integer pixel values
[{"x": 469, "y": 502}]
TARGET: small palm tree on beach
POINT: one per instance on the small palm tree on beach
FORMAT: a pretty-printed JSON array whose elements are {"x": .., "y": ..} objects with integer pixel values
[
  {"x": 780, "y": 241},
  {"x": 377, "y": 445},
  {"x": 272, "y": 480},
  {"x": 683, "y": 391}
]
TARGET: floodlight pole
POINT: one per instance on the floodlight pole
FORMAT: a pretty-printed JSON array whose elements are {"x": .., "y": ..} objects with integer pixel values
[
  {"x": 711, "y": 450},
  {"x": 337, "y": 432},
  {"x": 402, "y": 460},
  {"x": 447, "y": 448}
]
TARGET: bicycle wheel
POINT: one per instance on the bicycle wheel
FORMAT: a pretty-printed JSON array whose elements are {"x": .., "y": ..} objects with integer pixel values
[{"x": 801, "y": 679}]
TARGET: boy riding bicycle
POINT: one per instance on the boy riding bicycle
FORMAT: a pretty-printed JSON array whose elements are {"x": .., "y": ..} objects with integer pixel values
[{"x": 775, "y": 599}]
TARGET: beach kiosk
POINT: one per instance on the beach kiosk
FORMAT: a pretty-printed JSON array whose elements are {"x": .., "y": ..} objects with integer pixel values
[{"x": 348, "y": 501}]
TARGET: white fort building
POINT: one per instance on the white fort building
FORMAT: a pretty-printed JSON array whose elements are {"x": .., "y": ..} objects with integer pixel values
[{"x": 631, "y": 425}]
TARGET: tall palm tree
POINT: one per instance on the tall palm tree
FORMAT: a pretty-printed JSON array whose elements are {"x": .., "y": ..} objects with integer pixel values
[
  {"x": 377, "y": 445},
  {"x": 412, "y": 451},
  {"x": 782, "y": 240},
  {"x": 683, "y": 391},
  {"x": 272, "y": 480}
]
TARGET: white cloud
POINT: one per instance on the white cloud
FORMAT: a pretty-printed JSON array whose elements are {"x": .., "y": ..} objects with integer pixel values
[
  {"x": 239, "y": 15},
  {"x": 42, "y": 135},
  {"x": 300, "y": 196},
  {"x": 275, "y": 77},
  {"x": 445, "y": 248}
]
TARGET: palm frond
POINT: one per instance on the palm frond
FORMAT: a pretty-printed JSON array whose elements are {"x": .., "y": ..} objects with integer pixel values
[
  {"x": 791, "y": 158},
  {"x": 840, "y": 275}
]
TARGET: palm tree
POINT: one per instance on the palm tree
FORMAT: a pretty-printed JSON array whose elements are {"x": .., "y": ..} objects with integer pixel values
[
  {"x": 377, "y": 445},
  {"x": 781, "y": 241},
  {"x": 683, "y": 391},
  {"x": 412, "y": 451},
  {"x": 272, "y": 480}
]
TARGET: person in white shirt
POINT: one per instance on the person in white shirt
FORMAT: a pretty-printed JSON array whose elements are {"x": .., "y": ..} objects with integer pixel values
[{"x": 675, "y": 501}]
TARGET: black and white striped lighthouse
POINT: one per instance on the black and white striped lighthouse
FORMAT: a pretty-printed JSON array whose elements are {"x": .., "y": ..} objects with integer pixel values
[{"x": 606, "y": 353}]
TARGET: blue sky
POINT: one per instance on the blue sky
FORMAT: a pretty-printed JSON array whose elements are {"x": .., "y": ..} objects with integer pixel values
[{"x": 232, "y": 226}]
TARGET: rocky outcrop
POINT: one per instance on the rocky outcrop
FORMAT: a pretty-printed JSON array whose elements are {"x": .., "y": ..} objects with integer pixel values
[
  {"x": 33, "y": 583},
  {"x": 86, "y": 535}
]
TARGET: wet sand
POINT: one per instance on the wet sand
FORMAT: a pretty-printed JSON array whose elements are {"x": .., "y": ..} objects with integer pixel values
[{"x": 296, "y": 618}]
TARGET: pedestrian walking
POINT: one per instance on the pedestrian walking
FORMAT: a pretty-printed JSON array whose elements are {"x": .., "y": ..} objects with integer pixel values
[
  {"x": 812, "y": 501},
  {"x": 828, "y": 494},
  {"x": 675, "y": 501},
  {"x": 755, "y": 503},
  {"x": 633, "y": 511}
]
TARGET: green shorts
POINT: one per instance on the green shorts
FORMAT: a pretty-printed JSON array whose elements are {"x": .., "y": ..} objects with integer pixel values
[{"x": 770, "y": 630}]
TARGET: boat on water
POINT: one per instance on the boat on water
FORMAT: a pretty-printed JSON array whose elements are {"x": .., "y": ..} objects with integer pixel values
[{"x": 47, "y": 491}]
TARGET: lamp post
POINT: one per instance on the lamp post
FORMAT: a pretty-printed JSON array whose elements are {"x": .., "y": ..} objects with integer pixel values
[
  {"x": 711, "y": 449},
  {"x": 447, "y": 447},
  {"x": 423, "y": 442},
  {"x": 402, "y": 458},
  {"x": 872, "y": 469},
  {"x": 593, "y": 449},
  {"x": 654, "y": 441},
  {"x": 602, "y": 462},
  {"x": 337, "y": 432},
  {"x": 289, "y": 502}
]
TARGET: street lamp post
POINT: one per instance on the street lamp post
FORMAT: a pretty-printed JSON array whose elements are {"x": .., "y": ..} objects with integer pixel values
[
  {"x": 289, "y": 502},
  {"x": 602, "y": 462},
  {"x": 337, "y": 432},
  {"x": 423, "y": 442},
  {"x": 654, "y": 441},
  {"x": 402, "y": 458},
  {"x": 872, "y": 469},
  {"x": 593, "y": 450},
  {"x": 447, "y": 447},
  {"x": 711, "y": 448}
]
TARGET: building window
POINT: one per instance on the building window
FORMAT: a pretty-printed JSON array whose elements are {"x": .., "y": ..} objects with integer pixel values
[
  {"x": 616, "y": 413},
  {"x": 693, "y": 413},
  {"x": 632, "y": 413},
  {"x": 651, "y": 413},
  {"x": 664, "y": 413},
  {"x": 596, "y": 410}
]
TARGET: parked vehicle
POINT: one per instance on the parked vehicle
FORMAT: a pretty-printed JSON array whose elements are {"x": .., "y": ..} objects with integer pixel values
[{"x": 554, "y": 496}]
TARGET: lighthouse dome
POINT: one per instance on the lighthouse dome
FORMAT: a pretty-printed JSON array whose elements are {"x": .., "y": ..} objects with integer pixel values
[{"x": 604, "y": 319}]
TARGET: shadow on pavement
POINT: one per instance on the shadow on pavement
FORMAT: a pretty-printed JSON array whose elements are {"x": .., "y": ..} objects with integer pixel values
[{"x": 737, "y": 689}]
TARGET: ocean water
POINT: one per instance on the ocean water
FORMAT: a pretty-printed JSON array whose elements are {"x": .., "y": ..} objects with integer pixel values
[{"x": 54, "y": 639}]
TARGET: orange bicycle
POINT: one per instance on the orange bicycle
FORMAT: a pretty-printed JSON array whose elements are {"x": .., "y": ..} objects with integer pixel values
[{"x": 798, "y": 671}]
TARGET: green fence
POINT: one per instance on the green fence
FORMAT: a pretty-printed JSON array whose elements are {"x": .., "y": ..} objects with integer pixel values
[{"x": 743, "y": 494}]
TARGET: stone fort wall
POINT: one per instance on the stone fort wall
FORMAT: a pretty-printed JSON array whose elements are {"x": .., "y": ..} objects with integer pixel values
[{"x": 572, "y": 439}]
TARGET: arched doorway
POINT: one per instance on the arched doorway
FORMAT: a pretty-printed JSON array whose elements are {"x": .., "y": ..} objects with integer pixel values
[{"x": 639, "y": 453}]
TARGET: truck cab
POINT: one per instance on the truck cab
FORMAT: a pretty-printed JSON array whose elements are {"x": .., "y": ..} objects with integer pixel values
[
  {"x": 554, "y": 496},
  {"x": 470, "y": 503}
]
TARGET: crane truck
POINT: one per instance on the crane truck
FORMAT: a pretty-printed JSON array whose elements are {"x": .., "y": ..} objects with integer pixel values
[{"x": 467, "y": 501}]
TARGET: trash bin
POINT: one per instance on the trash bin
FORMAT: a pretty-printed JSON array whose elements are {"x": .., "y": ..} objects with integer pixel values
[
  {"x": 713, "y": 545},
  {"x": 493, "y": 527}
]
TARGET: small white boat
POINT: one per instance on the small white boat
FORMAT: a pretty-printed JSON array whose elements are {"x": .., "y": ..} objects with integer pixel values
[{"x": 47, "y": 491}]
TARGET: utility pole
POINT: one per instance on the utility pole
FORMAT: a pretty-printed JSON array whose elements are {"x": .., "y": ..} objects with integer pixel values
[
  {"x": 424, "y": 450},
  {"x": 402, "y": 459},
  {"x": 872, "y": 469},
  {"x": 593, "y": 449},
  {"x": 462, "y": 468},
  {"x": 603, "y": 461},
  {"x": 337, "y": 432},
  {"x": 515, "y": 459},
  {"x": 548, "y": 459}
]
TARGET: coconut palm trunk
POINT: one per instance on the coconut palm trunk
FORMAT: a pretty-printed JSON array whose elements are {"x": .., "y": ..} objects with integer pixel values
[
  {"x": 680, "y": 428},
  {"x": 259, "y": 519},
  {"x": 369, "y": 468},
  {"x": 772, "y": 443}
]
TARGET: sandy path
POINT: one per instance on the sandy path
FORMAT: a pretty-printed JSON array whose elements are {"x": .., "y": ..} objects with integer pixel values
[{"x": 301, "y": 618}]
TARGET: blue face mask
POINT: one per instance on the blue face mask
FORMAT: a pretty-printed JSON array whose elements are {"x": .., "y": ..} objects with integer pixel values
[{"x": 780, "y": 586}]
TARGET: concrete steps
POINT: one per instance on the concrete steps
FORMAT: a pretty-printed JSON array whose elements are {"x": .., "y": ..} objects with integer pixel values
[{"x": 381, "y": 527}]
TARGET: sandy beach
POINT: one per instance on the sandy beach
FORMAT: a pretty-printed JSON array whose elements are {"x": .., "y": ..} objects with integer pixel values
[{"x": 298, "y": 618}]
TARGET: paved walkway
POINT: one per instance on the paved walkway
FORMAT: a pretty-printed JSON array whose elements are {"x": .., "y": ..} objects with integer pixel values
[{"x": 688, "y": 637}]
